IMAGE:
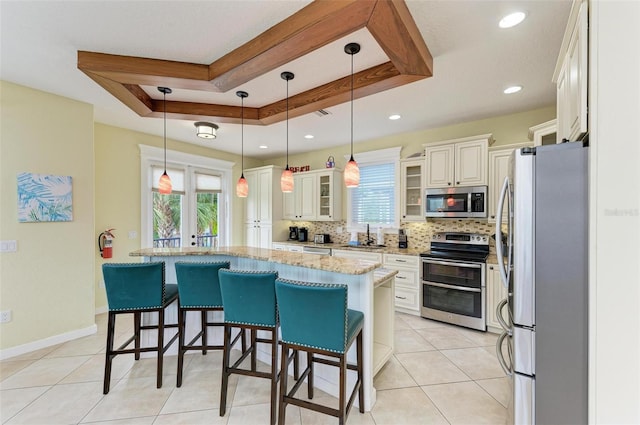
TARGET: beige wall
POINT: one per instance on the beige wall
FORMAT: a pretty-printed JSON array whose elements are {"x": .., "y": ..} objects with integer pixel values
[
  {"x": 506, "y": 130},
  {"x": 48, "y": 284},
  {"x": 118, "y": 185}
]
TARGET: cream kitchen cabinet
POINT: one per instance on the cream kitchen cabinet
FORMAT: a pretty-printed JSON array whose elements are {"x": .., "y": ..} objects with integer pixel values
[
  {"x": 459, "y": 162},
  {"x": 329, "y": 195},
  {"x": 571, "y": 76},
  {"x": 316, "y": 196},
  {"x": 301, "y": 203},
  {"x": 496, "y": 292},
  {"x": 412, "y": 189},
  {"x": 357, "y": 254},
  {"x": 498, "y": 169},
  {"x": 407, "y": 281},
  {"x": 545, "y": 133},
  {"x": 263, "y": 205}
]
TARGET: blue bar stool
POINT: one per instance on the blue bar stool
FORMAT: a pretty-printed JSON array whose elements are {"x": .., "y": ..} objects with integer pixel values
[
  {"x": 249, "y": 302},
  {"x": 137, "y": 288},
  {"x": 199, "y": 290},
  {"x": 314, "y": 318}
]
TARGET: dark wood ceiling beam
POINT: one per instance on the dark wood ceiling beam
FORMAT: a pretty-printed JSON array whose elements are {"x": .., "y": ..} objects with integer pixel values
[
  {"x": 316, "y": 25},
  {"x": 132, "y": 96},
  {"x": 394, "y": 29}
]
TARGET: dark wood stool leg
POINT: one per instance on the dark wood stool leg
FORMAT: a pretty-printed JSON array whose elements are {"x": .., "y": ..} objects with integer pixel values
[
  {"x": 181, "y": 331},
  {"x": 274, "y": 374},
  {"x": 310, "y": 377},
  {"x": 244, "y": 340},
  {"x": 136, "y": 330},
  {"x": 296, "y": 365},
  {"x": 284, "y": 367},
  {"x": 254, "y": 352},
  {"x": 111, "y": 324},
  {"x": 160, "y": 347},
  {"x": 203, "y": 319},
  {"x": 359, "y": 347},
  {"x": 225, "y": 369},
  {"x": 343, "y": 388}
]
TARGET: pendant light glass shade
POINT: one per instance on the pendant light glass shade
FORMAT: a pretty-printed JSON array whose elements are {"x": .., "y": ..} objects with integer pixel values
[
  {"x": 351, "y": 173},
  {"x": 286, "y": 179},
  {"x": 242, "y": 187},
  {"x": 164, "y": 185}
]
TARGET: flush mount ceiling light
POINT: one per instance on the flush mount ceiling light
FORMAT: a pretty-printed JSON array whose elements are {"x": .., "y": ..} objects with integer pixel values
[
  {"x": 309, "y": 136},
  {"x": 394, "y": 117},
  {"x": 351, "y": 170},
  {"x": 512, "y": 20},
  {"x": 242, "y": 188},
  {"x": 512, "y": 89},
  {"x": 263, "y": 146},
  {"x": 164, "y": 185},
  {"x": 286, "y": 180},
  {"x": 206, "y": 130}
]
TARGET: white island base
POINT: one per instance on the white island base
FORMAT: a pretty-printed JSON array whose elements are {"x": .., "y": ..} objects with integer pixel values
[{"x": 371, "y": 291}]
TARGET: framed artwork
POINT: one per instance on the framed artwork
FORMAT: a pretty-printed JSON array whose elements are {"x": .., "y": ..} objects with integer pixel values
[{"x": 44, "y": 198}]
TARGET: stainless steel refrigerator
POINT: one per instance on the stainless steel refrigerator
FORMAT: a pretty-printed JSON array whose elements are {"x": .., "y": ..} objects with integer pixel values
[{"x": 545, "y": 268}]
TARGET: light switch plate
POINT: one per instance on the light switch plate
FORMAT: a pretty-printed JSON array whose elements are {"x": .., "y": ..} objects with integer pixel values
[
  {"x": 8, "y": 246},
  {"x": 5, "y": 316}
]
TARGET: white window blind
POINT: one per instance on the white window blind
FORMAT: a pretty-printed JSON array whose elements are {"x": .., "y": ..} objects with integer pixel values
[
  {"x": 373, "y": 201},
  {"x": 206, "y": 183}
]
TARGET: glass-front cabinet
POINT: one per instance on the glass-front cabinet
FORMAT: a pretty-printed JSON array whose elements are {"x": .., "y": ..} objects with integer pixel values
[
  {"x": 329, "y": 193},
  {"x": 412, "y": 180}
]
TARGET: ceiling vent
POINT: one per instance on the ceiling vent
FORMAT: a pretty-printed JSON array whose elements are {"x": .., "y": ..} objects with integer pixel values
[{"x": 321, "y": 112}]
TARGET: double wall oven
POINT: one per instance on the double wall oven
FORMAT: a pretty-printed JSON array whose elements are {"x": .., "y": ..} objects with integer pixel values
[{"x": 453, "y": 278}]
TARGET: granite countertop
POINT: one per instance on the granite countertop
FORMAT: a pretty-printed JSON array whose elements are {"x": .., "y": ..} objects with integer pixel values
[
  {"x": 382, "y": 250},
  {"x": 312, "y": 261}
]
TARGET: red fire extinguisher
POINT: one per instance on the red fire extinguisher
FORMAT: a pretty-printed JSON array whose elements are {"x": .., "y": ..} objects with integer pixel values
[{"x": 105, "y": 240}]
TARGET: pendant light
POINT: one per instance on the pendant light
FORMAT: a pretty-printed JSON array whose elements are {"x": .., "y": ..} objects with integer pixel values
[
  {"x": 286, "y": 180},
  {"x": 351, "y": 170},
  {"x": 242, "y": 187},
  {"x": 164, "y": 186}
]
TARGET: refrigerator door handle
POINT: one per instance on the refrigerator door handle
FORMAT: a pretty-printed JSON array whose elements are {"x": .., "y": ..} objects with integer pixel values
[
  {"x": 504, "y": 272},
  {"x": 506, "y": 367},
  {"x": 505, "y": 326}
]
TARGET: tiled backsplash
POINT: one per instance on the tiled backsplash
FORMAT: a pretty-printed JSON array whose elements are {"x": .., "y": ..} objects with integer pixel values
[{"x": 419, "y": 234}]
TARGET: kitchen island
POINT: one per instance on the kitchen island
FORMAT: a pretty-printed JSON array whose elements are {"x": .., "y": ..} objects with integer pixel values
[{"x": 371, "y": 290}]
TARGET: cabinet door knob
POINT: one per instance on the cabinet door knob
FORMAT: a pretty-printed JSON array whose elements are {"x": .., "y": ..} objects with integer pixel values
[
  {"x": 448, "y": 183},
  {"x": 493, "y": 216},
  {"x": 193, "y": 243},
  {"x": 457, "y": 182}
]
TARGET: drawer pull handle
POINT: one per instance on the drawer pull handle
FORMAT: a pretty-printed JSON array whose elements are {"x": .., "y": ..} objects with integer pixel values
[
  {"x": 401, "y": 298},
  {"x": 401, "y": 261},
  {"x": 400, "y": 277}
]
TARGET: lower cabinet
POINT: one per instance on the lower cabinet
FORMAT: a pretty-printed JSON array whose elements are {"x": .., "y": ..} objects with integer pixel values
[
  {"x": 496, "y": 292},
  {"x": 407, "y": 281},
  {"x": 358, "y": 255},
  {"x": 258, "y": 235},
  {"x": 287, "y": 247}
]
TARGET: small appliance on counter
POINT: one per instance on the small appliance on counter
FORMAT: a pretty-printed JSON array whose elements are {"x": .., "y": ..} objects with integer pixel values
[
  {"x": 303, "y": 234},
  {"x": 293, "y": 233},
  {"x": 322, "y": 238},
  {"x": 402, "y": 239}
]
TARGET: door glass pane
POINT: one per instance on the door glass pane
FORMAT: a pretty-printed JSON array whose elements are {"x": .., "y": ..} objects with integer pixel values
[
  {"x": 167, "y": 220},
  {"x": 207, "y": 219}
]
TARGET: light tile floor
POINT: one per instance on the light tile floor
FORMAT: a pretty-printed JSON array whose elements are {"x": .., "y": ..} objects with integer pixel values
[{"x": 439, "y": 374}]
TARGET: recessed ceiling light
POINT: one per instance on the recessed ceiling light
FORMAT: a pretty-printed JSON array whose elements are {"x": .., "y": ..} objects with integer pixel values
[
  {"x": 512, "y": 20},
  {"x": 394, "y": 117},
  {"x": 512, "y": 89},
  {"x": 263, "y": 146},
  {"x": 309, "y": 136}
]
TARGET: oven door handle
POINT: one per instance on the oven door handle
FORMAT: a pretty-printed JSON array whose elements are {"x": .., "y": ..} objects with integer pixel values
[
  {"x": 457, "y": 288},
  {"x": 449, "y": 263}
]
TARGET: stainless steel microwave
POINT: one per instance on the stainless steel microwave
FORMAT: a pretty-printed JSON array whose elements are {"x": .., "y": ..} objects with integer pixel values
[{"x": 456, "y": 202}]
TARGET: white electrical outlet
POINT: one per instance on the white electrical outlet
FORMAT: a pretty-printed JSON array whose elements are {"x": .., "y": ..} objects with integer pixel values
[
  {"x": 5, "y": 316},
  {"x": 8, "y": 246},
  {"x": 339, "y": 229},
  {"x": 133, "y": 234}
]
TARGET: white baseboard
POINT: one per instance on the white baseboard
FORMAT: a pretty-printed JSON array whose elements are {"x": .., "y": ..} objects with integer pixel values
[{"x": 47, "y": 342}]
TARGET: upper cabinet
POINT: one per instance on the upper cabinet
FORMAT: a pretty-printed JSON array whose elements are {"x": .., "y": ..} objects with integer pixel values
[
  {"x": 571, "y": 76},
  {"x": 316, "y": 196},
  {"x": 498, "y": 170},
  {"x": 264, "y": 203},
  {"x": 459, "y": 162},
  {"x": 412, "y": 183},
  {"x": 545, "y": 133}
]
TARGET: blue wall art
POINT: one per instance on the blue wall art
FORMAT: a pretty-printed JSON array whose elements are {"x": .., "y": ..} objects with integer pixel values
[{"x": 43, "y": 198}]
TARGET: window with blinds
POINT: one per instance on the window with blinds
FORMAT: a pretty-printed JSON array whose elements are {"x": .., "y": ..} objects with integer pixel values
[{"x": 373, "y": 201}]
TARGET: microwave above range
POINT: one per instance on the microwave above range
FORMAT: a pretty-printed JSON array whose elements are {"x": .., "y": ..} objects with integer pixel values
[{"x": 456, "y": 202}]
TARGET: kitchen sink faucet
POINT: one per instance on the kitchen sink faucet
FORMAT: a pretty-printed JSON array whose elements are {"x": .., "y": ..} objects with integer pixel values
[{"x": 369, "y": 240}]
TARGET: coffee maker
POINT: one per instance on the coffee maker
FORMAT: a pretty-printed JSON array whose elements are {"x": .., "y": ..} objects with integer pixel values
[
  {"x": 303, "y": 234},
  {"x": 293, "y": 233}
]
